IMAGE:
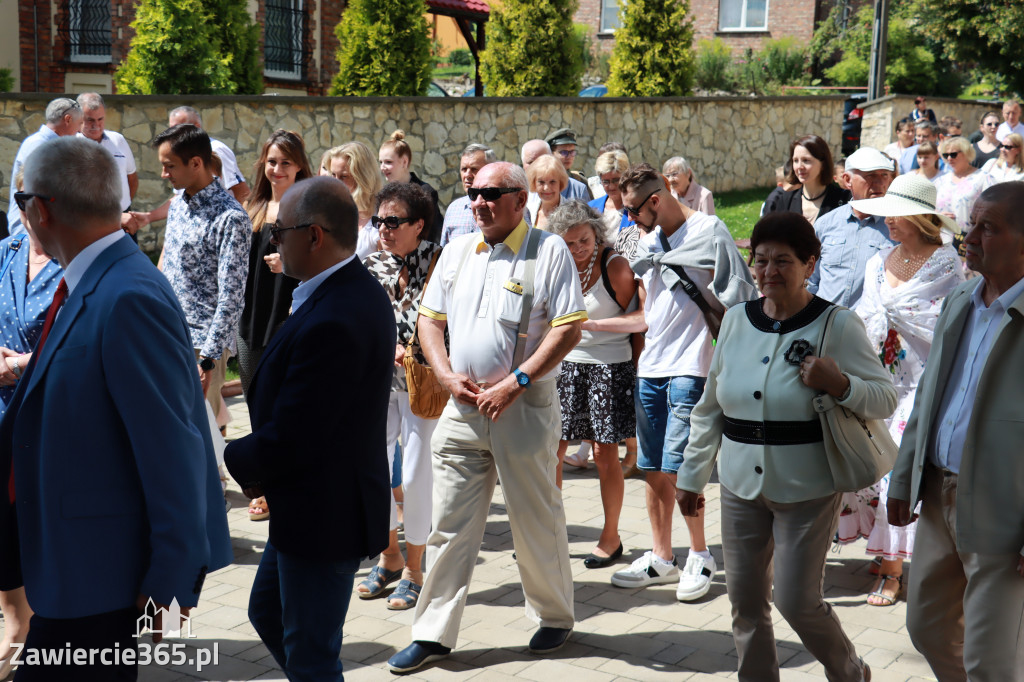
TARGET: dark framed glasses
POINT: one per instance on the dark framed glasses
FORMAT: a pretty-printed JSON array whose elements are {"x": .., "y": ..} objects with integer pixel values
[
  {"x": 628, "y": 211},
  {"x": 1007, "y": 147},
  {"x": 22, "y": 198},
  {"x": 276, "y": 229},
  {"x": 950, "y": 155},
  {"x": 491, "y": 193},
  {"x": 392, "y": 222}
]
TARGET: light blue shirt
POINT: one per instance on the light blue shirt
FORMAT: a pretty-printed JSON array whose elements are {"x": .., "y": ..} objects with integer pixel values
[
  {"x": 954, "y": 416},
  {"x": 576, "y": 190},
  {"x": 306, "y": 289},
  {"x": 458, "y": 220},
  {"x": 847, "y": 243},
  {"x": 31, "y": 143},
  {"x": 79, "y": 265}
]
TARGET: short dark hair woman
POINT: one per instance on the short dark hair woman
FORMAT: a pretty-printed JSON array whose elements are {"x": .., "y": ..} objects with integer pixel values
[
  {"x": 813, "y": 170},
  {"x": 779, "y": 504}
]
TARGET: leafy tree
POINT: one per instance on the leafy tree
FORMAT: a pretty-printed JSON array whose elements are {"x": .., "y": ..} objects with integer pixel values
[
  {"x": 652, "y": 56},
  {"x": 983, "y": 33},
  {"x": 191, "y": 47},
  {"x": 6, "y": 80},
  {"x": 911, "y": 62},
  {"x": 713, "y": 64},
  {"x": 532, "y": 49},
  {"x": 239, "y": 38},
  {"x": 384, "y": 49}
]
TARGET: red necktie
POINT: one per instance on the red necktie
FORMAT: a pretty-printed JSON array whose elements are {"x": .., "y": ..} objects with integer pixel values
[{"x": 51, "y": 315}]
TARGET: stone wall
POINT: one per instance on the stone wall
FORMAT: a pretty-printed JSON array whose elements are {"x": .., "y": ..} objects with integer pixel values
[
  {"x": 878, "y": 127},
  {"x": 732, "y": 143}
]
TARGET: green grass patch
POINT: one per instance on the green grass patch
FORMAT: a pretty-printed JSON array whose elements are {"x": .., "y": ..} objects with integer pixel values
[
  {"x": 454, "y": 71},
  {"x": 739, "y": 210},
  {"x": 231, "y": 371}
]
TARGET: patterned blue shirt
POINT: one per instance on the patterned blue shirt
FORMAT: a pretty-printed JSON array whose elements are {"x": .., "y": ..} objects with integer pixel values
[
  {"x": 206, "y": 260},
  {"x": 846, "y": 245},
  {"x": 458, "y": 220}
]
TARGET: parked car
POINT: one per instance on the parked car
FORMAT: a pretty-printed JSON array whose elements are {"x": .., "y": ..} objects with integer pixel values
[
  {"x": 853, "y": 113},
  {"x": 599, "y": 90}
]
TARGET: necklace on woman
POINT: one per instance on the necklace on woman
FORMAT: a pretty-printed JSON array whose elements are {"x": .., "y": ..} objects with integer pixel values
[
  {"x": 45, "y": 259},
  {"x": 585, "y": 275},
  {"x": 906, "y": 265},
  {"x": 804, "y": 195}
]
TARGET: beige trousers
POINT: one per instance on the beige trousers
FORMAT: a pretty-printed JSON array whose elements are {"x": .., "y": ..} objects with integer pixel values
[
  {"x": 965, "y": 611},
  {"x": 759, "y": 538},
  {"x": 470, "y": 454},
  {"x": 217, "y": 376}
]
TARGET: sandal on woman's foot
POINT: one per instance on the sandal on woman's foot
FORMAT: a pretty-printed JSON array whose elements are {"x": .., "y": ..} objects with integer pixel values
[
  {"x": 580, "y": 461},
  {"x": 876, "y": 564},
  {"x": 630, "y": 470},
  {"x": 887, "y": 598},
  {"x": 258, "y": 509},
  {"x": 376, "y": 581},
  {"x": 408, "y": 593}
]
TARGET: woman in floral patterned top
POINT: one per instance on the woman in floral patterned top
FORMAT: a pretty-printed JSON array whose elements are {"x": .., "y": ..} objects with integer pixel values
[
  {"x": 904, "y": 288},
  {"x": 404, "y": 215}
]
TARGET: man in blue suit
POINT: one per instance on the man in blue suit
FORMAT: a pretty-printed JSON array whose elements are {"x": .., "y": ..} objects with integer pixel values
[
  {"x": 114, "y": 496},
  {"x": 318, "y": 403}
]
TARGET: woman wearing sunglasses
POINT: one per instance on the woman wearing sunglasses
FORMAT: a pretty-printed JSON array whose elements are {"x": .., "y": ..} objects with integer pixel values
[
  {"x": 268, "y": 292},
  {"x": 960, "y": 188},
  {"x": 402, "y": 266},
  {"x": 1009, "y": 167}
]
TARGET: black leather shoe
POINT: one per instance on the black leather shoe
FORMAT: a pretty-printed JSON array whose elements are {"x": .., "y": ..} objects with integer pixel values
[
  {"x": 546, "y": 640},
  {"x": 415, "y": 656},
  {"x": 594, "y": 561}
]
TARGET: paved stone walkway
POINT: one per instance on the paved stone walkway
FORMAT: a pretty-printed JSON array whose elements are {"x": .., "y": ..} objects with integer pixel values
[{"x": 620, "y": 634}]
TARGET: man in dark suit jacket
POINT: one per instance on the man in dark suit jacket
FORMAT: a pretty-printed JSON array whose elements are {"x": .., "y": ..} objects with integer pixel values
[
  {"x": 105, "y": 441},
  {"x": 318, "y": 405}
]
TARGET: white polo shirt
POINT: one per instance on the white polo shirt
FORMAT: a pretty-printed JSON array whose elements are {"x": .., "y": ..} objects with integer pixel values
[
  {"x": 677, "y": 341},
  {"x": 230, "y": 175},
  {"x": 118, "y": 146},
  {"x": 483, "y": 309}
]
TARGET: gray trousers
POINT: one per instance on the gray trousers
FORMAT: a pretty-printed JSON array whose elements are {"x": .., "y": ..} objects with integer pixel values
[{"x": 761, "y": 538}]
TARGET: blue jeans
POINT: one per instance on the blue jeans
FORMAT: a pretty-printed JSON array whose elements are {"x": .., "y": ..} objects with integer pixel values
[
  {"x": 298, "y": 608},
  {"x": 663, "y": 406}
]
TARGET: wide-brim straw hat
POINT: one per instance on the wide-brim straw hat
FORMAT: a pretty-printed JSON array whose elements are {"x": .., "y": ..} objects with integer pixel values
[{"x": 909, "y": 194}]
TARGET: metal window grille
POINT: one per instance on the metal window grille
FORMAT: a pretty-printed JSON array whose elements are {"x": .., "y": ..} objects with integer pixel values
[
  {"x": 86, "y": 30},
  {"x": 283, "y": 43}
]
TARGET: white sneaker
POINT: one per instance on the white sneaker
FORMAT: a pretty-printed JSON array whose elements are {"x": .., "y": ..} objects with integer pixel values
[
  {"x": 695, "y": 580},
  {"x": 646, "y": 571}
]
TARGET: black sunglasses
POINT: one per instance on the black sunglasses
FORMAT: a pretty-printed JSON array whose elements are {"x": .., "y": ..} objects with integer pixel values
[
  {"x": 1008, "y": 147},
  {"x": 276, "y": 229},
  {"x": 950, "y": 155},
  {"x": 22, "y": 198},
  {"x": 392, "y": 222},
  {"x": 627, "y": 211},
  {"x": 491, "y": 193}
]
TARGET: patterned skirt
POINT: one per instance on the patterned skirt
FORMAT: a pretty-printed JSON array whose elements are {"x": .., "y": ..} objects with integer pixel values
[{"x": 597, "y": 401}]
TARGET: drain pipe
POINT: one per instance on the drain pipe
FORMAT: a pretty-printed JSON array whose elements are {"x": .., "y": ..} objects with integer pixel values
[{"x": 35, "y": 22}]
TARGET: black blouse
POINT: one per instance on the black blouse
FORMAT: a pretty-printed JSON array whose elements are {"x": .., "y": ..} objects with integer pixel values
[{"x": 268, "y": 295}]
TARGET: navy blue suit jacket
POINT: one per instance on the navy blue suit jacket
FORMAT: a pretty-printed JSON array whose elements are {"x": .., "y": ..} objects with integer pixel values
[
  {"x": 117, "y": 490},
  {"x": 318, "y": 404}
]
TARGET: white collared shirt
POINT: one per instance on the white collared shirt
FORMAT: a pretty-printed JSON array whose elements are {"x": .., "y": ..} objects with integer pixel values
[
  {"x": 118, "y": 146},
  {"x": 304, "y": 290},
  {"x": 954, "y": 416}
]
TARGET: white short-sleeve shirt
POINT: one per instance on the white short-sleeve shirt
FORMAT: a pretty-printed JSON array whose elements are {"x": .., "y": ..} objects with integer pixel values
[
  {"x": 677, "y": 341},
  {"x": 483, "y": 308},
  {"x": 230, "y": 175},
  {"x": 118, "y": 146}
]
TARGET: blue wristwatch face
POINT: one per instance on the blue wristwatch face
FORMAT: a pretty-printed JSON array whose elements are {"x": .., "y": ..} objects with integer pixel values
[{"x": 522, "y": 378}]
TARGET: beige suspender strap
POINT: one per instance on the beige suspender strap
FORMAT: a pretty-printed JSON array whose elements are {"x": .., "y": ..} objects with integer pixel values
[{"x": 529, "y": 267}]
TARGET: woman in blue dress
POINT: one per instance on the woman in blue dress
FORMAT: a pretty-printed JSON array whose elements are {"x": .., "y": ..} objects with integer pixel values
[{"x": 28, "y": 281}]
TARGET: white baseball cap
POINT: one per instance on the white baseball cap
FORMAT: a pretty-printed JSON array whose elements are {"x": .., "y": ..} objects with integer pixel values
[{"x": 868, "y": 159}]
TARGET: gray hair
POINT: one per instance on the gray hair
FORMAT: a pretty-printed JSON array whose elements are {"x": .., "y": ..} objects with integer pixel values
[
  {"x": 61, "y": 107},
  {"x": 90, "y": 101},
  {"x": 571, "y": 213},
  {"x": 80, "y": 176},
  {"x": 933, "y": 129},
  {"x": 489, "y": 155},
  {"x": 677, "y": 162},
  {"x": 191, "y": 114}
]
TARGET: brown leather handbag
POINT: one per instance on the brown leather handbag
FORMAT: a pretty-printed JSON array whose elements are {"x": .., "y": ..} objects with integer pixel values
[{"x": 427, "y": 396}]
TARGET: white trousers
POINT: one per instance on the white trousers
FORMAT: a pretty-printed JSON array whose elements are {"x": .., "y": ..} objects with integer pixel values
[{"x": 417, "y": 480}]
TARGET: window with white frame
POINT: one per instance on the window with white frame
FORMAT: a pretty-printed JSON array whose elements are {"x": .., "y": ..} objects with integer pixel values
[
  {"x": 283, "y": 45},
  {"x": 609, "y": 15},
  {"x": 89, "y": 34},
  {"x": 743, "y": 15}
]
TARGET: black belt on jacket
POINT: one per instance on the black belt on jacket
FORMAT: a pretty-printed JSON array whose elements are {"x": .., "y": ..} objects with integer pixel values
[{"x": 772, "y": 433}]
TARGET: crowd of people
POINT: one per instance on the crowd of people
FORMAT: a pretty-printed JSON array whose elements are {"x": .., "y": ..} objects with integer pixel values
[{"x": 555, "y": 310}]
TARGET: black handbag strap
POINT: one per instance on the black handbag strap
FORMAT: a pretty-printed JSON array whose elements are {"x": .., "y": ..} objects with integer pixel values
[
  {"x": 684, "y": 280},
  {"x": 415, "y": 338}
]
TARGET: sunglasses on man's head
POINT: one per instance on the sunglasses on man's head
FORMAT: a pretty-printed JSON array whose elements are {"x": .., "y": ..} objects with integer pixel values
[{"x": 491, "y": 193}]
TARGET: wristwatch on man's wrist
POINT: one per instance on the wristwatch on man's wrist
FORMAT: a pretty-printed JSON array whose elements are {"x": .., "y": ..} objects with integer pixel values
[
  {"x": 206, "y": 364},
  {"x": 522, "y": 378}
]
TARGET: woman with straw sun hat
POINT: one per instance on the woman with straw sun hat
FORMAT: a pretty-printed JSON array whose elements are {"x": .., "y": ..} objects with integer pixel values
[{"x": 904, "y": 287}]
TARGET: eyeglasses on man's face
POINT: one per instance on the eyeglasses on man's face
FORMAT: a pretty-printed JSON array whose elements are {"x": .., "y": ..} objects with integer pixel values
[
  {"x": 22, "y": 198},
  {"x": 490, "y": 193},
  {"x": 630, "y": 211},
  {"x": 276, "y": 229}
]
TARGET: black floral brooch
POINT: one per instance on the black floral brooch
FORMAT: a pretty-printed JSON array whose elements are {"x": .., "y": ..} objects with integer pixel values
[{"x": 798, "y": 350}]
